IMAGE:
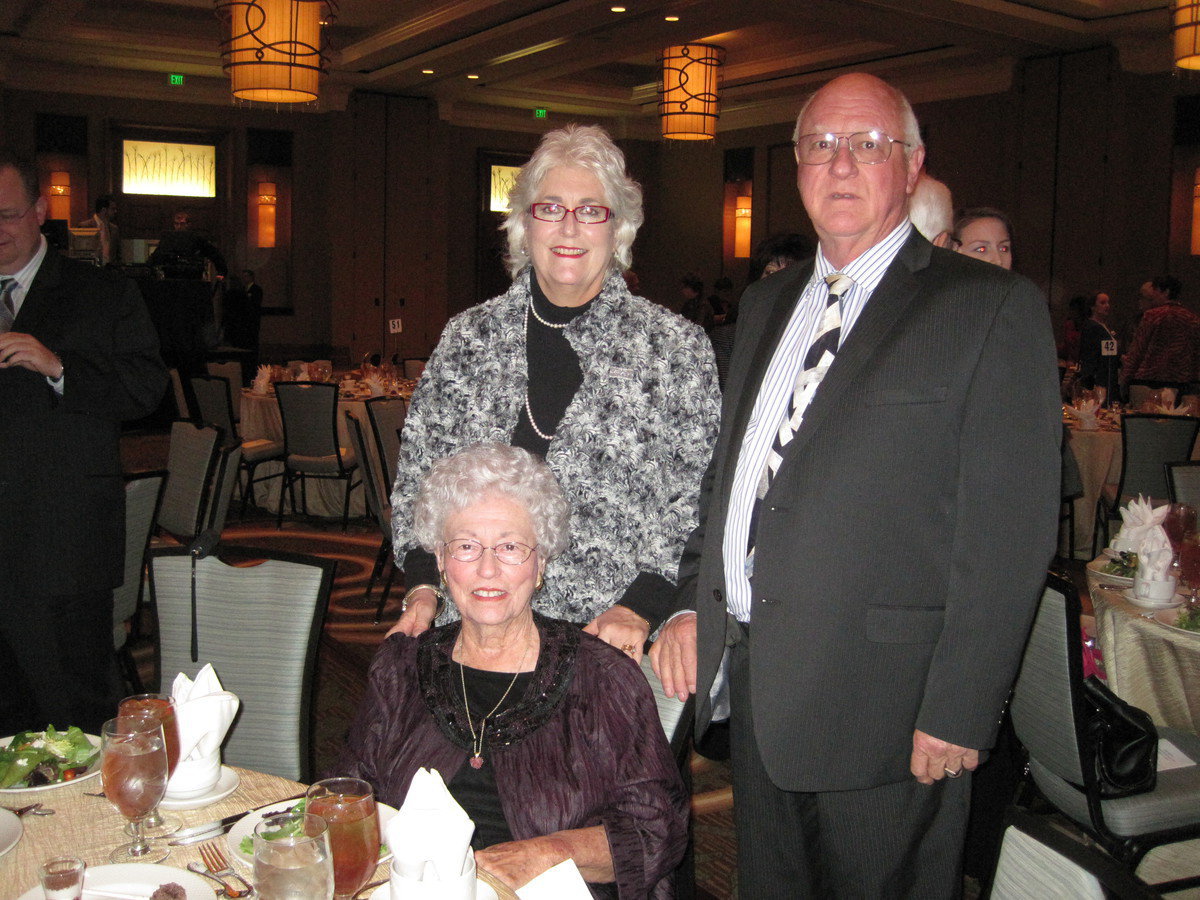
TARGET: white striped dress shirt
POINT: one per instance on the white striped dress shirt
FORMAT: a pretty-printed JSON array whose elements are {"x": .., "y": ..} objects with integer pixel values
[{"x": 775, "y": 391}]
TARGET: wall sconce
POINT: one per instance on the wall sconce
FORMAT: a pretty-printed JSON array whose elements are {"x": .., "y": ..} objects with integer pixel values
[
  {"x": 688, "y": 103},
  {"x": 742, "y": 216},
  {"x": 59, "y": 195},
  {"x": 266, "y": 214},
  {"x": 1185, "y": 34},
  {"x": 1196, "y": 214},
  {"x": 272, "y": 48}
]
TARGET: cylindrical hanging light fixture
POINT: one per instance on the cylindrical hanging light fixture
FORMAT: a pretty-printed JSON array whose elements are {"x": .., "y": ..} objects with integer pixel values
[
  {"x": 687, "y": 102},
  {"x": 1185, "y": 33},
  {"x": 272, "y": 48}
]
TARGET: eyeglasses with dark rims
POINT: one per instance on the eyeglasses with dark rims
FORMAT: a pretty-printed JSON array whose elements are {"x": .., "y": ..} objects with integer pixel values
[
  {"x": 867, "y": 147},
  {"x": 586, "y": 214},
  {"x": 511, "y": 553}
]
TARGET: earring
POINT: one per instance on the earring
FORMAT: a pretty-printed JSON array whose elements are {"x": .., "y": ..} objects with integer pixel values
[{"x": 540, "y": 582}]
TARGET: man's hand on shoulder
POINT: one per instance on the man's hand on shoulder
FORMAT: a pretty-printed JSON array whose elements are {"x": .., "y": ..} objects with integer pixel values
[
  {"x": 934, "y": 759},
  {"x": 673, "y": 656},
  {"x": 18, "y": 349}
]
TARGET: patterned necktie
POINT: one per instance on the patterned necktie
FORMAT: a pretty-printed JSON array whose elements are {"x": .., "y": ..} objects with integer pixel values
[
  {"x": 7, "y": 311},
  {"x": 816, "y": 363}
]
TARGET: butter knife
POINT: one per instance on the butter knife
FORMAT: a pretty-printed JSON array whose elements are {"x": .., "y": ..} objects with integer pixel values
[{"x": 203, "y": 832}]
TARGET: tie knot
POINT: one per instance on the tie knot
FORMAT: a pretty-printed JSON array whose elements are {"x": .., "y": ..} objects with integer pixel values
[{"x": 839, "y": 283}]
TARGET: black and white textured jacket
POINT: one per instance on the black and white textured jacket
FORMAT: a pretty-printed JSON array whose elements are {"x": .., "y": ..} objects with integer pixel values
[{"x": 630, "y": 450}]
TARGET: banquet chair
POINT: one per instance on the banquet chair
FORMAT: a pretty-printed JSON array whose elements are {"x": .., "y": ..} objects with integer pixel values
[
  {"x": 1038, "y": 859},
  {"x": 225, "y": 479},
  {"x": 1070, "y": 489},
  {"x": 1148, "y": 442},
  {"x": 1183, "y": 482},
  {"x": 182, "y": 407},
  {"x": 142, "y": 494},
  {"x": 213, "y": 397},
  {"x": 259, "y": 626},
  {"x": 380, "y": 509},
  {"x": 414, "y": 367},
  {"x": 191, "y": 463},
  {"x": 387, "y": 419},
  {"x": 1050, "y": 720},
  {"x": 310, "y": 440},
  {"x": 231, "y": 371}
]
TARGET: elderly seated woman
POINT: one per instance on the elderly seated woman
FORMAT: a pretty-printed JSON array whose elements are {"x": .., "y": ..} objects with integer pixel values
[{"x": 546, "y": 736}]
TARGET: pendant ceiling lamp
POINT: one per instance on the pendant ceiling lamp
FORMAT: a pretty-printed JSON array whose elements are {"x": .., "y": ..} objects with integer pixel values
[
  {"x": 1185, "y": 33},
  {"x": 687, "y": 101},
  {"x": 272, "y": 48}
]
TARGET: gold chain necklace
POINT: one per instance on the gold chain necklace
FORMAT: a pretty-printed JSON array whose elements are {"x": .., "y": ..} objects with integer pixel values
[{"x": 477, "y": 740}]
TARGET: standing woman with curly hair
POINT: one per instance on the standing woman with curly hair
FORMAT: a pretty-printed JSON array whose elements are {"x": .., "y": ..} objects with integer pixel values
[{"x": 616, "y": 393}]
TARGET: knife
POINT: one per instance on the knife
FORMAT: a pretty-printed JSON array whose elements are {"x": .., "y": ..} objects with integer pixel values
[{"x": 198, "y": 833}]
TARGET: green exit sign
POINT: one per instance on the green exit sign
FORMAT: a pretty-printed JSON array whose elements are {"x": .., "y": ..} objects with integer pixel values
[
  {"x": 539, "y": 113},
  {"x": 176, "y": 78}
]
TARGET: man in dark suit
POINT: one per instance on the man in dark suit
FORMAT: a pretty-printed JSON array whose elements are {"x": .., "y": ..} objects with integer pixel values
[
  {"x": 78, "y": 355},
  {"x": 874, "y": 527}
]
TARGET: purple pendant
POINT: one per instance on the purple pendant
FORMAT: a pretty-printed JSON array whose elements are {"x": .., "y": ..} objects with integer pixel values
[{"x": 476, "y": 762}]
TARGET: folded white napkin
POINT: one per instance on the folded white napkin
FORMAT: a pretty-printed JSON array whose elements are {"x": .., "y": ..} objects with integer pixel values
[
  {"x": 1155, "y": 555},
  {"x": 1166, "y": 410},
  {"x": 430, "y": 838},
  {"x": 561, "y": 882},
  {"x": 375, "y": 384},
  {"x": 1138, "y": 517},
  {"x": 262, "y": 380},
  {"x": 1084, "y": 409}
]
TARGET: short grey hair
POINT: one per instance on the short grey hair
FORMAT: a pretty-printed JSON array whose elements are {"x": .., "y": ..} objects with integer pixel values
[
  {"x": 455, "y": 482},
  {"x": 584, "y": 147},
  {"x": 908, "y": 120},
  {"x": 931, "y": 207}
]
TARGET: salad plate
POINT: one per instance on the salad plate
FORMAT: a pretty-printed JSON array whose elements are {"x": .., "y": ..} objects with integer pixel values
[
  {"x": 244, "y": 828},
  {"x": 137, "y": 880},
  {"x": 1096, "y": 567},
  {"x": 1170, "y": 618},
  {"x": 226, "y": 785},
  {"x": 92, "y": 771},
  {"x": 10, "y": 831}
]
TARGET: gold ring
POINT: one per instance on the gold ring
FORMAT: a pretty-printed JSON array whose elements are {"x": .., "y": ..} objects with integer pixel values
[
  {"x": 627, "y": 648},
  {"x": 950, "y": 774}
]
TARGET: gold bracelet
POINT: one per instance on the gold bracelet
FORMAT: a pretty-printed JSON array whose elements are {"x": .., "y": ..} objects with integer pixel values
[{"x": 437, "y": 592}]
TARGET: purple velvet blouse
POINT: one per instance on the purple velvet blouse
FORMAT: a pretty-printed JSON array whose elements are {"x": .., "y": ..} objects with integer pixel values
[{"x": 582, "y": 747}]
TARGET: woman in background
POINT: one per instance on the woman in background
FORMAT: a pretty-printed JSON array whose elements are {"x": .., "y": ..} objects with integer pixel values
[{"x": 986, "y": 233}]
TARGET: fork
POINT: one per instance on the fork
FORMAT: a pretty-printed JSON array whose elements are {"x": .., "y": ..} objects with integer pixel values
[{"x": 218, "y": 863}]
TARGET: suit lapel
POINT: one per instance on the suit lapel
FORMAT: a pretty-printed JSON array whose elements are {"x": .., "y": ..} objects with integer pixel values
[{"x": 39, "y": 298}]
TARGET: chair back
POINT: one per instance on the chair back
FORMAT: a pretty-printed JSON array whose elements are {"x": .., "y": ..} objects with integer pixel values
[
  {"x": 309, "y": 413},
  {"x": 215, "y": 404},
  {"x": 1148, "y": 443},
  {"x": 191, "y": 461},
  {"x": 378, "y": 503},
  {"x": 414, "y": 368},
  {"x": 1183, "y": 483},
  {"x": 229, "y": 462},
  {"x": 231, "y": 372},
  {"x": 1047, "y": 699},
  {"x": 387, "y": 419},
  {"x": 181, "y": 403},
  {"x": 259, "y": 626},
  {"x": 142, "y": 493},
  {"x": 674, "y": 715}
]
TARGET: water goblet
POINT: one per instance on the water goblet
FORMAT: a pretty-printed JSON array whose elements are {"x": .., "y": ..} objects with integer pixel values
[
  {"x": 62, "y": 877},
  {"x": 161, "y": 707},
  {"x": 133, "y": 767},
  {"x": 292, "y": 858},
  {"x": 348, "y": 807}
]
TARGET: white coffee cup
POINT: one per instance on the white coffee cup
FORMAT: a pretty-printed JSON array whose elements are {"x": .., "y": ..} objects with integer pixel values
[{"x": 1156, "y": 592}]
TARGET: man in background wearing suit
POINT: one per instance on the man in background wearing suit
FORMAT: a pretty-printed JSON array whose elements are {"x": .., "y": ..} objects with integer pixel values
[
  {"x": 78, "y": 354},
  {"x": 874, "y": 527}
]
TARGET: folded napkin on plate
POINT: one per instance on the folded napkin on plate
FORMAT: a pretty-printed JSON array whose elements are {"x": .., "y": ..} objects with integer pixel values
[
  {"x": 1183, "y": 410},
  {"x": 1084, "y": 409},
  {"x": 203, "y": 711},
  {"x": 262, "y": 380},
  {"x": 1155, "y": 556},
  {"x": 560, "y": 882},
  {"x": 1139, "y": 517},
  {"x": 430, "y": 838},
  {"x": 375, "y": 385}
]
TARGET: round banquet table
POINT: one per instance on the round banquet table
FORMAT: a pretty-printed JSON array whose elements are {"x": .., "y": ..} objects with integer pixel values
[
  {"x": 1098, "y": 454},
  {"x": 88, "y": 827},
  {"x": 1148, "y": 664},
  {"x": 261, "y": 419}
]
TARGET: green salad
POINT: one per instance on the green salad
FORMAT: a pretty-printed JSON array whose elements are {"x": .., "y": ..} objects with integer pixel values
[
  {"x": 247, "y": 843},
  {"x": 36, "y": 758},
  {"x": 1189, "y": 619},
  {"x": 1125, "y": 567}
]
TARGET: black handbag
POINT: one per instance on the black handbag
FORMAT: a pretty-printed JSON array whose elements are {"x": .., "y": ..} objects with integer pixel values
[{"x": 1124, "y": 742}]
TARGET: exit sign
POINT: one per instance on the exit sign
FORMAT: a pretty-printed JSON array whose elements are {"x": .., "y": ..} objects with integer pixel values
[
  {"x": 539, "y": 113},
  {"x": 175, "y": 78}
]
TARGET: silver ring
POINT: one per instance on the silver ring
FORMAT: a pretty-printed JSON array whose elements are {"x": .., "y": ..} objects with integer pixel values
[{"x": 950, "y": 774}]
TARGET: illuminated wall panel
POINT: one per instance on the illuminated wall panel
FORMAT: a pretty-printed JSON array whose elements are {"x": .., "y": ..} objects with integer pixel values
[{"x": 176, "y": 170}]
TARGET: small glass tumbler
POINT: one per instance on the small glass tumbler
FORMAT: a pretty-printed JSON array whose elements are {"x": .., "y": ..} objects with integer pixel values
[
  {"x": 292, "y": 857},
  {"x": 62, "y": 878}
]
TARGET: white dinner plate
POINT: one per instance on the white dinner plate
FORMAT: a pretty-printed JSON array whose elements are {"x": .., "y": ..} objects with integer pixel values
[
  {"x": 1095, "y": 567},
  {"x": 483, "y": 891},
  {"x": 244, "y": 827},
  {"x": 10, "y": 831},
  {"x": 92, "y": 771},
  {"x": 1176, "y": 600},
  {"x": 1169, "y": 617},
  {"x": 139, "y": 879},
  {"x": 226, "y": 785}
]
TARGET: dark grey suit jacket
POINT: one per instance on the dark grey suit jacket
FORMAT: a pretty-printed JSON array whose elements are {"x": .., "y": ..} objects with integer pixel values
[
  {"x": 903, "y": 542},
  {"x": 62, "y": 499}
]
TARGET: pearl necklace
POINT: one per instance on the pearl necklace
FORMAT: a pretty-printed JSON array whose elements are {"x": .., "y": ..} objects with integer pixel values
[
  {"x": 533, "y": 310},
  {"x": 477, "y": 740},
  {"x": 528, "y": 410}
]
